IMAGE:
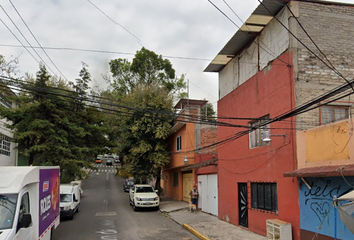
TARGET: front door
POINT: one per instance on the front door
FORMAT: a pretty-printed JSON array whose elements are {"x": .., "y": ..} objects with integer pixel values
[
  {"x": 188, "y": 183},
  {"x": 242, "y": 204}
]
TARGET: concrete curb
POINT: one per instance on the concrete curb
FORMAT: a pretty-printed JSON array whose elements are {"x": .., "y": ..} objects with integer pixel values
[{"x": 195, "y": 232}]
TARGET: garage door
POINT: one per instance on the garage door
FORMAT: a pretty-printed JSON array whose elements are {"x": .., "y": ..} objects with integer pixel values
[
  {"x": 187, "y": 185},
  {"x": 208, "y": 193}
]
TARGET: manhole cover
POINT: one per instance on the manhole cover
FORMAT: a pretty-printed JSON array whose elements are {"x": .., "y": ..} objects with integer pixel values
[{"x": 105, "y": 214}]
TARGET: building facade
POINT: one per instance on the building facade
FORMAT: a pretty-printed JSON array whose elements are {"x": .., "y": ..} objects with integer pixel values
[
  {"x": 284, "y": 78},
  {"x": 192, "y": 162},
  {"x": 8, "y": 151}
]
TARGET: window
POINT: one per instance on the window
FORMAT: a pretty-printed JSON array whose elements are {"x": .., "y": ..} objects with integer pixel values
[
  {"x": 24, "y": 208},
  {"x": 5, "y": 145},
  {"x": 257, "y": 131},
  {"x": 179, "y": 143},
  {"x": 333, "y": 113},
  {"x": 264, "y": 196},
  {"x": 175, "y": 179}
]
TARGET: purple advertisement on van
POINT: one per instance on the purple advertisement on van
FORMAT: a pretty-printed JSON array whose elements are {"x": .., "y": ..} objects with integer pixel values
[{"x": 48, "y": 198}]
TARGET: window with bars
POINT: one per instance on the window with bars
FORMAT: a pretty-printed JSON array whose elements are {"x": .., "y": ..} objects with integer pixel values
[
  {"x": 258, "y": 131},
  {"x": 5, "y": 145},
  {"x": 175, "y": 179},
  {"x": 331, "y": 113},
  {"x": 179, "y": 143},
  {"x": 264, "y": 196}
]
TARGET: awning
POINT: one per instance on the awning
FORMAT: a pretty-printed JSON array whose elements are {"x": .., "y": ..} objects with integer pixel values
[
  {"x": 323, "y": 171},
  {"x": 201, "y": 164}
]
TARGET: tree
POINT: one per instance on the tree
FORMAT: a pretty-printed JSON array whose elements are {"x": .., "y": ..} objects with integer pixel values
[
  {"x": 148, "y": 86},
  {"x": 207, "y": 112},
  {"x": 54, "y": 126}
]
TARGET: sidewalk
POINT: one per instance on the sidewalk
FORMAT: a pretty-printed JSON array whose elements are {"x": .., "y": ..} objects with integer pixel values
[{"x": 204, "y": 225}]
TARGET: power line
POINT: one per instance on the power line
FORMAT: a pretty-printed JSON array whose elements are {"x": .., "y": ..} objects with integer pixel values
[
  {"x": 247, "y": 35},
  {"x": 26, "y": 40},
  {"x": 116, "y": 23},
  {"x": 106, "y": 51},
  {"x": 292, "y": 34},
  {"x": 37, "y": 40}
]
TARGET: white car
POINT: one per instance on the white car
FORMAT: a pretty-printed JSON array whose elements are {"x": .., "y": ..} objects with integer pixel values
[{"x": 143, "y": 196}]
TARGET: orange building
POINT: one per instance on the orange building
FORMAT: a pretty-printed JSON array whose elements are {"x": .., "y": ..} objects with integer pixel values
[{"x": 192, "y": 162}]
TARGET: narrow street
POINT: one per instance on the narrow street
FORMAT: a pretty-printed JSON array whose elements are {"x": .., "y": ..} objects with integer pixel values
[{"x": 105, "y": 213}]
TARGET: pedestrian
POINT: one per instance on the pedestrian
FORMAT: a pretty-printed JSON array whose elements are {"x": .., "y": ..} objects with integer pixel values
[{"x": 194, "y": 197}]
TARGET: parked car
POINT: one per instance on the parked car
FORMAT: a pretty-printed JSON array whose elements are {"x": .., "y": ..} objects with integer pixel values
[
  {"x": 143, "y": 196},
  {"x": 70, "y": 196},
  {"x": 98, "y": 161},
  {"x": 128, "y": 183},
  {"x": 116, "y": 160},
  {"x": 109, "y": 162}
]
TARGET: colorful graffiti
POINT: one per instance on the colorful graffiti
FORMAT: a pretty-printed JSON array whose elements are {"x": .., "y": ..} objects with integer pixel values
[{"x": 316, "y": 208}]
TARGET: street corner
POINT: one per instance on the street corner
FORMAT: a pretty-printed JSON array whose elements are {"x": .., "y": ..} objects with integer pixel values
[{"x": 195, "y": 232}]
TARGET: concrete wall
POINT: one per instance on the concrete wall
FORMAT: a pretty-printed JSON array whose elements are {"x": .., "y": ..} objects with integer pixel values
[{"x": 255, "y": 57}]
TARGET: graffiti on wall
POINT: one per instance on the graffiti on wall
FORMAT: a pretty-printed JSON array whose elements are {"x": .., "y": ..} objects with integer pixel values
[{"x": 316, "y": 209}]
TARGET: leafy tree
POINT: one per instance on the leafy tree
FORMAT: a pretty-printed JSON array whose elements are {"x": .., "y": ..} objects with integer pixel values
[
  {"x": 8, "y": 67},
  {"x": 148, "y": 85},
  {"x": 54, "y": 126},
  {"x": 207, "y": 112}
]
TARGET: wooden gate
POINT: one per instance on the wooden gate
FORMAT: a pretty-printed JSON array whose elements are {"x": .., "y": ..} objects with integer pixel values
[{"x": 187, "y": 182}]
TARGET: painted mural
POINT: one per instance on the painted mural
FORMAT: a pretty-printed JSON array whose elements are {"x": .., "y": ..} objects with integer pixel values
[{"x": 317, "y": 213}]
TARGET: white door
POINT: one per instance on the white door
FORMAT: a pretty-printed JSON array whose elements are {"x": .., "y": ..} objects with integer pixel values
[
  {"x": 213, "y": 194},
  {"x": 203, "y": 192},
  {"x": 208, "y": 193}
]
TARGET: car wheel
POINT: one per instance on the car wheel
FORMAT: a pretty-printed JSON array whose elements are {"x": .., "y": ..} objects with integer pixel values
[{"x": 135, "y": 208}]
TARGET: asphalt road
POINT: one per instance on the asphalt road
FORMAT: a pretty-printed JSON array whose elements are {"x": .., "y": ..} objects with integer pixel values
[{"x": 105, "y": 213}]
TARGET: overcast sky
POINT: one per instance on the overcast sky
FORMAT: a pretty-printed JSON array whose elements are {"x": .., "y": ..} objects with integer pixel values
[{"x": 190, "y": 33}]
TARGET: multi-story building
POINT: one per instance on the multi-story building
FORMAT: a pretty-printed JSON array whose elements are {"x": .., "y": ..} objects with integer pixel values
[
  {"x": 192, "y": 161},
  {"x": 285, "y": 82}
]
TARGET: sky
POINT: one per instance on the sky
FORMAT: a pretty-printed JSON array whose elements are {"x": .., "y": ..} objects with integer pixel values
[{"x": 190, "y": 33}]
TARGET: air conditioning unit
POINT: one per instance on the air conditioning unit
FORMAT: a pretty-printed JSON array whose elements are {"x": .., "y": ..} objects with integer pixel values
[{"x": 278, "y": 230}]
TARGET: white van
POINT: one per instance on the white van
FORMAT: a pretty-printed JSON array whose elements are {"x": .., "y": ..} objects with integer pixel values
[{"x": 70, "y": 197}]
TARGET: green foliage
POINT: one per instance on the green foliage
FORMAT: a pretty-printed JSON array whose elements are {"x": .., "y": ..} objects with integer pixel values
[
  {"x": 54, "y": 126},
  {"x": 148, "y": 82},
  {"x": 207, "y": 112}
]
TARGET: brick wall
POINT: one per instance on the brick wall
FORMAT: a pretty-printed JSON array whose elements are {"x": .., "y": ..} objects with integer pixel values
[
  {"x": 331, "y": 28},
  {"x": 209, "y": 136}
]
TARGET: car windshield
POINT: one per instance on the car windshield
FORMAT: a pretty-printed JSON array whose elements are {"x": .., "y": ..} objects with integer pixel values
[
  {"x": 130, "y": 182},
  {"x": 7, "y": 210},
  {"x": 65, "y": 197},
  {"x": 144, "y": 189}
]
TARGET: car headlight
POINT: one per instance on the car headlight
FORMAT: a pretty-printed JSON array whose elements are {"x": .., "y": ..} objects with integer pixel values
[
  {"x": 66, "y": 208},
  {"x": 138, "y": 198},
  {"x": 156, "y": 198}
]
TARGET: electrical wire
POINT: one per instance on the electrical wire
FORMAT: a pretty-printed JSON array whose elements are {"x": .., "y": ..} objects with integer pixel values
[
  {"x": 116, "y": 23},
  {"x": 37, "y": 40},
  {"x": 26, "y": 41}
]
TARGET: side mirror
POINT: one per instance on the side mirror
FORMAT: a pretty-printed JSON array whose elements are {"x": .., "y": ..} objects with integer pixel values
[
  {"x": 26, "y": 220},
  {"x": 156, "y": 191}
]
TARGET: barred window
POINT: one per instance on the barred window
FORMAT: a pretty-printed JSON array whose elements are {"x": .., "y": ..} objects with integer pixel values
[
  {"x": 257, "y": 132},
  {"x": 333, "y": 113},
  {"x": 5, "y": 145},
  {"x": 264, "y": 196}
]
